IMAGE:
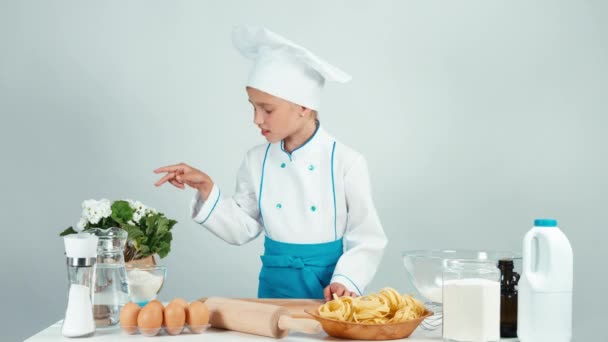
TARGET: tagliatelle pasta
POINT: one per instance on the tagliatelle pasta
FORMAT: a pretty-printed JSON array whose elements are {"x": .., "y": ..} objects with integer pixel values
[{"x": 387, "y": 306}]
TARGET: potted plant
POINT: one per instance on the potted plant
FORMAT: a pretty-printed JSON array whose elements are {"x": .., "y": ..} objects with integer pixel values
[{"x": 149, "y": 232}]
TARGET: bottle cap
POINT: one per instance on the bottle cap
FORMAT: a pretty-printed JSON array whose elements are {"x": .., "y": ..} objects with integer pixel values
[
  {"x": 547, "y": 223},
  {"x": 507, "y": 263},
  {"x": 81, "y": 245}
]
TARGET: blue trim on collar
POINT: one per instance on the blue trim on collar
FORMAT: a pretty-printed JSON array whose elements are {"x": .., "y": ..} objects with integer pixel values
[
  {"x": 304, "y": 144},
  {"x": 261, "y": 187},
  {"x": 333, "y": 188},
  {"x": 287, "y": 153},
  {"x": 219, "y": 194},
  {"x": 352, "y": 282}
]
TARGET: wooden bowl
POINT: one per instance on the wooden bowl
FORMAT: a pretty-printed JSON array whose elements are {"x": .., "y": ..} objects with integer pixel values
[{"x": 360, "y": 331}]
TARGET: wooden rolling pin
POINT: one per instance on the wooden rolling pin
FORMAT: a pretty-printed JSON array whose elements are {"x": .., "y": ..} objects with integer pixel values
[
  {"x": 256, "y": 318},
  {"x": 297, "y": 307}
]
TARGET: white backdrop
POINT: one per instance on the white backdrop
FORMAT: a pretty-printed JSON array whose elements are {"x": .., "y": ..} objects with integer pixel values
[{"x": 475, "y": 117}]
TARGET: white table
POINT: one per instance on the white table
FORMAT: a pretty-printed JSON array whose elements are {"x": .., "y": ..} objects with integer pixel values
[{"x": 53, "y": 333}]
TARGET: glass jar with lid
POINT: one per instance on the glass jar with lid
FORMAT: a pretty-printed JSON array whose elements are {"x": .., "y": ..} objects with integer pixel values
[{"x": 471, "y": 300}]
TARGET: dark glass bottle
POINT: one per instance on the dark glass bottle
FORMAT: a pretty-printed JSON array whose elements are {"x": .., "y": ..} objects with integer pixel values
[{"x": 508, "y": 298}]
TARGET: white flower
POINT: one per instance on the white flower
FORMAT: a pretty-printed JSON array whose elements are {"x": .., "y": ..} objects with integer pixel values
[
  {"x": 89, "y": 203},
  {"x": 105, "y": 205},
  {"x": 93, "y": 211},
  {"x": 80, "y": 225},
  {"x": 139, "y": 210}
]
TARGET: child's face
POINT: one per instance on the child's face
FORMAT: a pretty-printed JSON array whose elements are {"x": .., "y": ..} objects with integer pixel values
[{"x": 276, "y": 118}]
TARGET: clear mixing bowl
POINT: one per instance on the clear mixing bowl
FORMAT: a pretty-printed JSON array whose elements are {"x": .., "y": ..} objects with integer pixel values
[
  {"x": 425, "y": 267},
  {"x": 425, "y": 272}
]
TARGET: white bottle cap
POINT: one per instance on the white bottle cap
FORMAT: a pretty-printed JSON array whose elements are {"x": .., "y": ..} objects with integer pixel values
[{"x": 81, "y": 245}]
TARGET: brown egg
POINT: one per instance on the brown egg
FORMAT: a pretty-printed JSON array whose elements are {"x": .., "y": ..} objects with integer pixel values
[
  {"x": 174, "y": 318},
  {"x": 128, "y": 317},
  {"x": 150, "y": 319},
  {"x": 197, "y": 316},
  {"x": 157, "y": 303},
  {"x": 182, "y": 302}
]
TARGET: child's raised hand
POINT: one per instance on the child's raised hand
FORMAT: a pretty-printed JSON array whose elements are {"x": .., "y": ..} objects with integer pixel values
[
  {"x": 180, "y": 174},
  {"x": 337, "y": 289}
]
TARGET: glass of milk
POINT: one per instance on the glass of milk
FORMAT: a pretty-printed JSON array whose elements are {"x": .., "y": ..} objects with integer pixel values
[{"x": 471, "y": 301}]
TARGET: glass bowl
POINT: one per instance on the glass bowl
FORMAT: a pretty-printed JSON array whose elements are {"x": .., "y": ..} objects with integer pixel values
[
  {"x": 145, "y": 282},
  {"x": 425, "y": 267},
  {"x": 425, "y": 272}
]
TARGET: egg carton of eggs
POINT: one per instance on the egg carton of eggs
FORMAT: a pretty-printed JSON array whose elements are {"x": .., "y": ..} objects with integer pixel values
[
  {"x": 164, "y": 330},
  {"x": 154, "y": 318}
]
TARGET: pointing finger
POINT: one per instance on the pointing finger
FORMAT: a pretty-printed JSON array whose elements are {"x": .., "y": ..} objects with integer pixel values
[
  {"x": 163, "y": 180},
  {"x": 172, "y": 168}
]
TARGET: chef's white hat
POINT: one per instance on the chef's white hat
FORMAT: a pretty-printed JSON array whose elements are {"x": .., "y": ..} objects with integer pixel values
[{"x": 285, "y": 69}]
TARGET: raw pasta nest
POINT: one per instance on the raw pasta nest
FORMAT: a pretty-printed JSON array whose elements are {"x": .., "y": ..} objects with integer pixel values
[{"x": 387, "y": 306}]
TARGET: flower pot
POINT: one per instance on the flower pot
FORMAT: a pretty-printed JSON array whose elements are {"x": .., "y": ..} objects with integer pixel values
[
  {"x": 132, "y": 257},
  {"x": 149, "y": 260}
]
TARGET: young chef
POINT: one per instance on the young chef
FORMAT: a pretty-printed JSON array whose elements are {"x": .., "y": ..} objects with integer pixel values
[{"x": 308, "y": 193}]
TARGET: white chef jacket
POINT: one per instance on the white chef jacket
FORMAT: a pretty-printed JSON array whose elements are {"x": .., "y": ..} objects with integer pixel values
[{"x": 320, "y": 192}]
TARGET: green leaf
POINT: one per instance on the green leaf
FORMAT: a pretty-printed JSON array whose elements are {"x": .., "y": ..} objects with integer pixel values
[
  {"x": 122, "y": 212},
  {"x": 107, "y": 222},
  {"x": 163, "y": 249},
  {"x": 162, "y": 226},
  {"x": 144, "y": 251},
  {"x": 150, "y": 225},
  {"x": 68, "y": 231},
  {"x": 133, "y": 232}
]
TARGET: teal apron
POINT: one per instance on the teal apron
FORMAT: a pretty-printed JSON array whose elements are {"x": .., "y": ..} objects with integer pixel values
[{"x": 291, "y": 270}]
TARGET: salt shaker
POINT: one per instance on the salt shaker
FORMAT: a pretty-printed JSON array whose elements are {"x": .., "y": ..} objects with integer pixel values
[{"x": 81, "y": 253}]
